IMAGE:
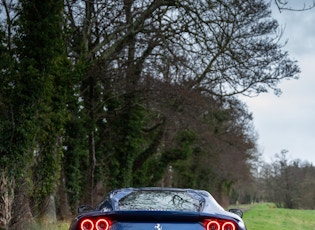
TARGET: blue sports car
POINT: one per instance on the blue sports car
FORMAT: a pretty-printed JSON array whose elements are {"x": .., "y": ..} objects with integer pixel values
[{"x": 158, "y": 209}]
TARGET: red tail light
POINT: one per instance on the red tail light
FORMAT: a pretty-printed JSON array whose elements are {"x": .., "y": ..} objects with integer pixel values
[
  {"x": 218, "y": 224},
  {"x": 94, "y": 224}
]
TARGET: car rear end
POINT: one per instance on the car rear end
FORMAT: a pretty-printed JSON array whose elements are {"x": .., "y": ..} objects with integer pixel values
[{"x": 155, "y": 220}]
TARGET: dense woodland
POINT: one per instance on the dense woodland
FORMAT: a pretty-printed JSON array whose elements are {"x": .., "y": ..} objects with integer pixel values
[{"x": 97, "y": 95}]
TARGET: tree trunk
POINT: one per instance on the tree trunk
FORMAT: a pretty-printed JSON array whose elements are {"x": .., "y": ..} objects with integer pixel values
[
  {"x": 63, "y": 202},
  {"x": 22, "y": 217},
  {"x": 48, "y": 211},
  {"x": 6, "y": 200}
]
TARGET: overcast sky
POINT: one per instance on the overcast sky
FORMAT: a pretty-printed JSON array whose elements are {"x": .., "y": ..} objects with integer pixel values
[{"x": 288, "y": 122}]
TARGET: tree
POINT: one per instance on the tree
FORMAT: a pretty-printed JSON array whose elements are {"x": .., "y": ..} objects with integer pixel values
[
  {"x": 7, "y": 64},
  {"x": 287, "y": 182},
  {"x": 34, "y": 100},
  {"x": 125, "y": 50}
]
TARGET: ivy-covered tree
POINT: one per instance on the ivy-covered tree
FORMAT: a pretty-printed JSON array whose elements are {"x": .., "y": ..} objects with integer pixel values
[
  {"x": 7, "y": 160},
  {"x": 36, "y": 106}
]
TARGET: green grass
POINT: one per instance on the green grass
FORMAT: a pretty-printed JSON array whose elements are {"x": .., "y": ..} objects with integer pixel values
[
  {"x": 257, "y": 217},
  {"x": 57, "y": 226},
  {"x": 268, "y": 217}
]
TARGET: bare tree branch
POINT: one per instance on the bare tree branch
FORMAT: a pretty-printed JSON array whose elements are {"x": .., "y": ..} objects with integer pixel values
[{"x": 285, "y": 5}]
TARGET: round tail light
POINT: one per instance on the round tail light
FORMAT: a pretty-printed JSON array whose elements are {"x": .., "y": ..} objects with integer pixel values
[
  {"x": 102, "y": 224},
  {"x": 228, "y": 226},
  {"x": 87, "y": 224},
  {"x": 213, "y": 225}
]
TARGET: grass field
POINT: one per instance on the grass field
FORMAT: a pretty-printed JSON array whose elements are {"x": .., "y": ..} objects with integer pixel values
[
  {"x": 257, "y": 217},
  {"x": 268, "y": 217}
]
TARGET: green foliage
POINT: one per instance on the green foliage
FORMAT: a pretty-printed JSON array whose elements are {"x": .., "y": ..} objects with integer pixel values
[
  {"x": 75, "y": 159},
  {"x": 203, "y": 176},
  {"x": 41, "y": 32},
  {"x": 156, "y": 164},
  {"x": 5, "y": 92},
  {"x": 130, "y": 140}
]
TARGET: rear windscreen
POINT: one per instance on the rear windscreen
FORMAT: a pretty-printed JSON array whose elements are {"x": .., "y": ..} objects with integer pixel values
[{"x": 160, "y": 200}]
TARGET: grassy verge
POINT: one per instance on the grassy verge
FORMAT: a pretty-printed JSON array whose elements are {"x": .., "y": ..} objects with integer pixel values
[
  {"x": 268, "y": 217},
  {"x": 57, "y": 226}
]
